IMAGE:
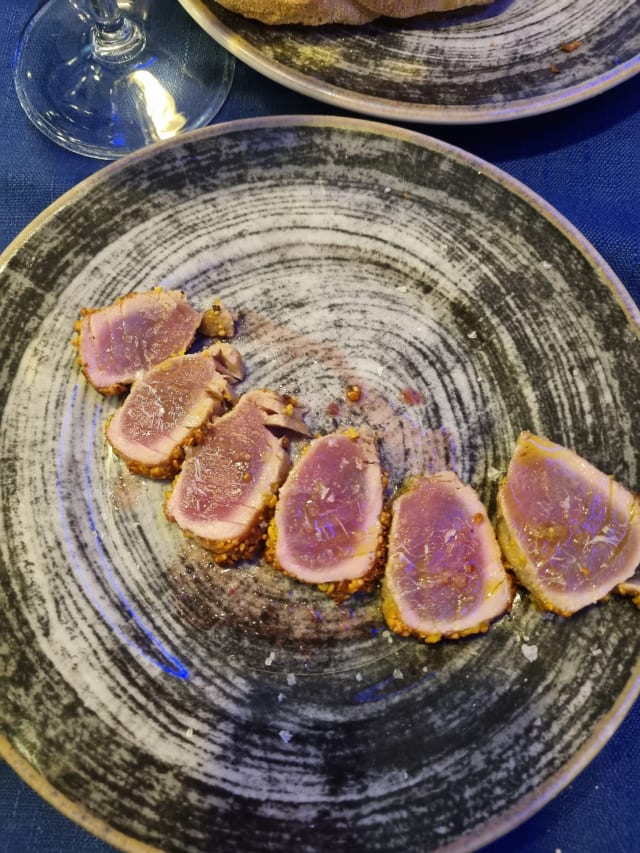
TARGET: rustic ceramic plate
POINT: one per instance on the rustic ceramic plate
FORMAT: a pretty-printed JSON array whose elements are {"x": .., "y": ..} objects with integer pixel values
[
  {"x": 161, "y": 700},
  {"x": 510, "y": 59}
]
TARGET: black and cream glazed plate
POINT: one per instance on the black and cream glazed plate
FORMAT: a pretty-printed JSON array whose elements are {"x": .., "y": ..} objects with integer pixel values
[
  {"x": 163, "y": 701},
  {"x": 510, "y": 59}
]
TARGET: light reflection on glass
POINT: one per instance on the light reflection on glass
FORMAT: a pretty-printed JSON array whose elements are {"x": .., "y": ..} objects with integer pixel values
[{"x": 157, "y": 105}]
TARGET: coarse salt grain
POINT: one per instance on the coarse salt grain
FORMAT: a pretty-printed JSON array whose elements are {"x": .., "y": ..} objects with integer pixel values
[
  {"x": 530, "y": 652},
  {"x": 285, "y": 735}
]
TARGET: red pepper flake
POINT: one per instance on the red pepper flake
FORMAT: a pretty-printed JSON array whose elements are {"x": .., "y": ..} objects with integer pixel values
[
  {"x": 554, "y": 69},
  {"x": 411, "y": 397},
  {"x": 570, "y": 46},
  {"x": 353, "y": 393},
  {"x": 333, "y": 409}
]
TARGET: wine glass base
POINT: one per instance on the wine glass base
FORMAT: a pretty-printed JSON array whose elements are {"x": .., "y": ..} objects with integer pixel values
[{"x": 174, "y": 79}]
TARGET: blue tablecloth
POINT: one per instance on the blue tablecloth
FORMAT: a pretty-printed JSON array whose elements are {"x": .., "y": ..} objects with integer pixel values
[{"x": 585, "y": 161}]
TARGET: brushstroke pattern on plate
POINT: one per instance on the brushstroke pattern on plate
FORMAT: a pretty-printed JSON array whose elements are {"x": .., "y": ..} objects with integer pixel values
[
  {"x": 186, "y": 705},
  {"x": 510, "y": 59}
]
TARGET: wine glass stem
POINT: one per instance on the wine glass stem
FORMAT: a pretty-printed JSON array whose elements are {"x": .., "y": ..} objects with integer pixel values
[
  {"x": 114, "y": 37},
  {"x": 105, "y": 11}
]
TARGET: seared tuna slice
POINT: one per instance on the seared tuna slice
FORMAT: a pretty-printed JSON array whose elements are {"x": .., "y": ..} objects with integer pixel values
[
  {"x": 228, "y": 361},
  {"x": 225, "y": 493},
  {"x": 133, "y": 334},
  {"x": 444, "y": 575},
  {"x": 328, "y": 527},
  {"x": 168, "y": 405},
  {"x": 569, "y": 531}
]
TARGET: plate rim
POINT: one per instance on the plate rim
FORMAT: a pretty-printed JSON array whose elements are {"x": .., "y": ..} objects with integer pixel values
[
  {"x": 543, "y": 793},
  {"x": 390, "y": 110},
  {"x": 491, "y": 831}
]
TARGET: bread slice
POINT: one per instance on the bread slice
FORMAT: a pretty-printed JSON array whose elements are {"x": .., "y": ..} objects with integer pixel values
[
  {"x": 410, "y": 8},
  {"x": 309, "y": 12},
  {"x": 318, "y": 12}
]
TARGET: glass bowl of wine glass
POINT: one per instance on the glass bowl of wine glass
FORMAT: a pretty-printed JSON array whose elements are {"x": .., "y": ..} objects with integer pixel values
[{"x": 106, "y": 77}]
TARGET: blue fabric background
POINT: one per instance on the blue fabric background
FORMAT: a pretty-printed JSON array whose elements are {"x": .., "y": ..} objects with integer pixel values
[{"x": 585, "y": 161}]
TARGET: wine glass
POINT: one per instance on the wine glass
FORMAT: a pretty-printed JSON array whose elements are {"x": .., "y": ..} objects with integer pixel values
[{"x": 105, "y": 77}]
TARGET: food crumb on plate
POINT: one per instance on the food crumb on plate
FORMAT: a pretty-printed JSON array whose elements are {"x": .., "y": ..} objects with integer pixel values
[
  {"x": 353, "y": 393},
  {"x": 411, "y": 396},
  {"x": 529, "y": 651}
]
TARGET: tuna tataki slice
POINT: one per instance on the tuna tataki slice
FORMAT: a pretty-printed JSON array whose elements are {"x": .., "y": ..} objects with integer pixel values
[
  {"x": 444, "y": 575},
  {"x": 169, "y": 404},
  {"x": 225, "y": 493},
  {"x": 137, "y": 331},
  {"x": 570, "y": 532},
  {"x": 328, "y": 527}
]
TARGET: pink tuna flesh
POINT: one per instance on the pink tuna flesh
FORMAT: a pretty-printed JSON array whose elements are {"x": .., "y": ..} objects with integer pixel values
[
  {"x": 227, "y": 480},
  {"x": 444, "y": 573},
  {"x": 166, "y": 406},
  {"x": 328, "y": 513},
  {"x": 134, "y": 333},
  {"x": 570, "y": 531}
]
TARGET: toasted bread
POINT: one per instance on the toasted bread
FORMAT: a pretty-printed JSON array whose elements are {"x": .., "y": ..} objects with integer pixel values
[{"x": 318, "y": 12}]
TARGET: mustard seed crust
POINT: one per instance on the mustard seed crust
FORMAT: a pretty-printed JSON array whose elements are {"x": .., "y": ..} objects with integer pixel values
[
  {"x": 227, "y": 552},
  {"x": 396, "y": 624},
  {"x": 166, "y": 470}
]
